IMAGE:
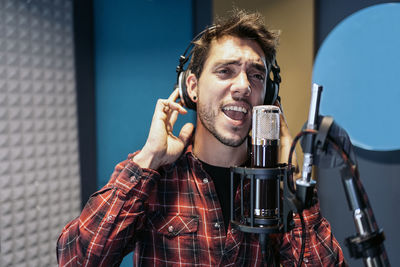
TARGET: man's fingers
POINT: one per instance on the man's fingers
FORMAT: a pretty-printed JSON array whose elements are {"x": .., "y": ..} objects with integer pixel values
[
  {"x": 174, "y": 96},
  {"x": 166, "y": 106},
  {"x": 167, "y": 111},
  {"x": 177, "y": 107},
  {"x": 284, "y": 126},
  {"x": 173, "y": 118},
  {"x": 186, "y": 132}
]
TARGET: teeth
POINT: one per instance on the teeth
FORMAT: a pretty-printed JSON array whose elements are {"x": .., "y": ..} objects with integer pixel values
[{"x": 236, "y": 108}]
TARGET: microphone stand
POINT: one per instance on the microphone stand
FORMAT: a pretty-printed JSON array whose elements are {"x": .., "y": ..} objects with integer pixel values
[
  {"x": 368, "y": 242},
  {"x": 245, "y": 219}
]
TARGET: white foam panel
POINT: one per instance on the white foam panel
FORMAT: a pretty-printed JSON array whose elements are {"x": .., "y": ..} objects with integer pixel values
[{"x": 39, "y": 161}]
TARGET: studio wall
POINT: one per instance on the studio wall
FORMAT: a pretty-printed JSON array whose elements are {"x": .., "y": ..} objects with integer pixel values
[
  {"x": 39, "y": 160},
  {"x": 137, "y": 47}
]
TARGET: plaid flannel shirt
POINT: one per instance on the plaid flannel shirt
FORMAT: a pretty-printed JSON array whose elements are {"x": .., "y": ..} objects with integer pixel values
[{"x": 173, "y": 217}]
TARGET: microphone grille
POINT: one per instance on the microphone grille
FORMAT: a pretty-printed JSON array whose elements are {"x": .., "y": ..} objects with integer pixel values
[{"x": 265, "y": 123}]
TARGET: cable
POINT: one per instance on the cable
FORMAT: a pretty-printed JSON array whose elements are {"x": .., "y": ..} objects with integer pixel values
[
  {"x": 303, "y": 240},
  {"x": 303, "y": 226}
]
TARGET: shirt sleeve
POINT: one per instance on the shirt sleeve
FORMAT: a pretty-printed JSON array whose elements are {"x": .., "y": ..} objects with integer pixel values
[
  {"x": 321, "y": 247},
  {"x": 106, "y": 229}
]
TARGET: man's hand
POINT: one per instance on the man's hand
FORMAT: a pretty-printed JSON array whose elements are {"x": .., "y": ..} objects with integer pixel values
[
  {"x": 284, "y": 135},
  {"x": 286, "y": 141},
  {"x": 162, "y": 147}
]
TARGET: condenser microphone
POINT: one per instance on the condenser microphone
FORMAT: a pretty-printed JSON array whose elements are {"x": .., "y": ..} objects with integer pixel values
[{"x": 265, "y": 147}]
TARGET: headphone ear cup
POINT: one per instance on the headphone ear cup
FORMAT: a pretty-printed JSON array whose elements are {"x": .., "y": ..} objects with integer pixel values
[
  {"x": 271, "y": 92},
  {"x": 185, "y": 99}
]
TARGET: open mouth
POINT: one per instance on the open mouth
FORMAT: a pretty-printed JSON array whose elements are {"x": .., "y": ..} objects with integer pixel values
[{"x": 235, "y": 112}]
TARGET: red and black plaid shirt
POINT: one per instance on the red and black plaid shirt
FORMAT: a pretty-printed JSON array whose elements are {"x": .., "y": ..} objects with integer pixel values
[{"x": 173, "y": 217}]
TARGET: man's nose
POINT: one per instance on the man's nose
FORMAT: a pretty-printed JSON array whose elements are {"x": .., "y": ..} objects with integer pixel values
[{"x": 241, "y": 86}]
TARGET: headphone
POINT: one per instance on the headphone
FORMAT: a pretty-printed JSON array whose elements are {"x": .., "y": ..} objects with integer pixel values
[{"x": 272, "y": 85}]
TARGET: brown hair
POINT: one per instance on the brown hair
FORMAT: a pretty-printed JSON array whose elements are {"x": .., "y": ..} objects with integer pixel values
[{"x": 240, "y": 24}]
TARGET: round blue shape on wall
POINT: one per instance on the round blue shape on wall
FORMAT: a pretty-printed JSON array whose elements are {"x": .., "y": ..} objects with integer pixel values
[{"x": 359, "y": 66}]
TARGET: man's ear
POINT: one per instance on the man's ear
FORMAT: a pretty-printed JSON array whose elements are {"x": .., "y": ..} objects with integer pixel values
[{"x": 192, "y": 88}]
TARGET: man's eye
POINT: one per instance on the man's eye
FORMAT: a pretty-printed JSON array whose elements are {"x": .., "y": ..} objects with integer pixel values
[
  {"x": 223, "y": 71},
  {"x": 259, "y": 77}
]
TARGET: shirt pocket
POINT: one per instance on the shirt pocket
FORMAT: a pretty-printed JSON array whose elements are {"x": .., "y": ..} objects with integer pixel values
[
  {"x": 171, "y": 225},
  {"x": 172, "y": 238}
]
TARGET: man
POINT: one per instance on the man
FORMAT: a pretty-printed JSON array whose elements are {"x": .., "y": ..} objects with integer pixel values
[{"x": 168, "y": 202}]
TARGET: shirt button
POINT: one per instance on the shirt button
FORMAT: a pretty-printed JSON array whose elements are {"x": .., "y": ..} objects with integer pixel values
[
  {"x": 170, "y": 229},
  {"x": 217, "y": 225},
  {"x": 305, "y": 260},
  {"x": 205, "y": 180}
]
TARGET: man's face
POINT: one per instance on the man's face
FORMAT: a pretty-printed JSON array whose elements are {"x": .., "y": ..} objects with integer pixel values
[{"x": 232, "y": 82}]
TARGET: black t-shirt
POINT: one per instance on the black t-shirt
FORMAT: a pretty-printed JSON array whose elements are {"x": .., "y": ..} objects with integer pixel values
[{"x": 221, "y": 178}]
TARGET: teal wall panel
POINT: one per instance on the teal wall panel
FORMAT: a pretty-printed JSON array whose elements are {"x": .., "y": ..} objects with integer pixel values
[{"x": 137, "y": 46}]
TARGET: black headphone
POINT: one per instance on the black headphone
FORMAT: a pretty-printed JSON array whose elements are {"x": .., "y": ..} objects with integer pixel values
[{"x": 272, "y": 86}]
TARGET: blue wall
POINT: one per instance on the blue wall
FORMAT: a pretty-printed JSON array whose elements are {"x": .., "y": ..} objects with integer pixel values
[{"x": 137, "y": 46}]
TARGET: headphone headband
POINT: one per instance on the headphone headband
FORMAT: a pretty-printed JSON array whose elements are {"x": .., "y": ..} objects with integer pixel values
[{"x": 183, "y": 59}]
